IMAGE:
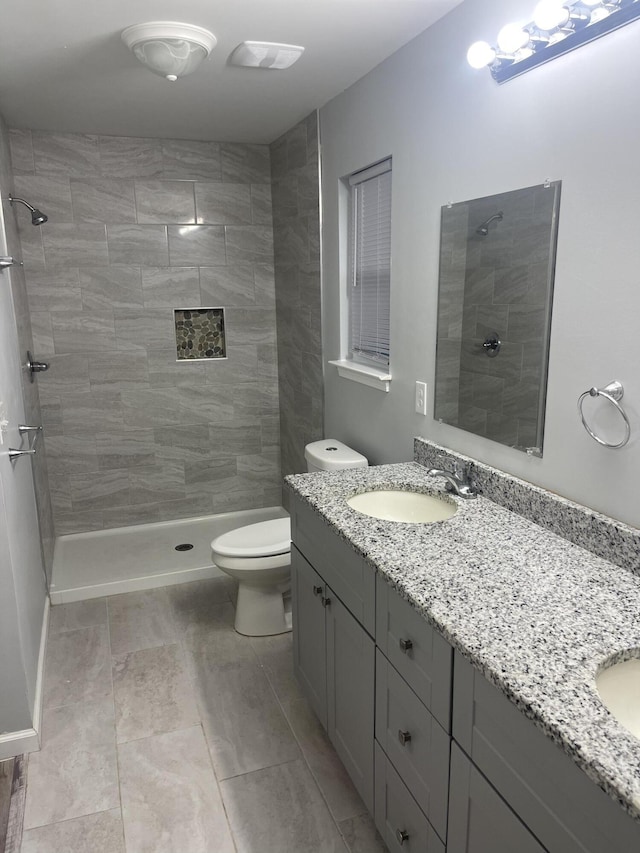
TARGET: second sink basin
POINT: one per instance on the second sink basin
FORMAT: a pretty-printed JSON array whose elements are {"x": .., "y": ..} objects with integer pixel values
[
  {"x": 404, "y": 506},
  {"x": 619, "y": 689}
]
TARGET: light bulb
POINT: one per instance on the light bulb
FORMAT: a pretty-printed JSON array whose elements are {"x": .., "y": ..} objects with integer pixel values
[
  {"x": 480, "y": 54},
  {"x": 550, "y": 14},
  {"x": 512, "y": 38}
]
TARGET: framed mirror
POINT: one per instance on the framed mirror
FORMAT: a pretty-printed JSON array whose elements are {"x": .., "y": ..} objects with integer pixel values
[{"x": 495, "y": 291}]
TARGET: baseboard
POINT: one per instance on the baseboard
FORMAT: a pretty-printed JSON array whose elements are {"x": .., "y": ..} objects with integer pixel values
[{"x": 28, "y": 740}]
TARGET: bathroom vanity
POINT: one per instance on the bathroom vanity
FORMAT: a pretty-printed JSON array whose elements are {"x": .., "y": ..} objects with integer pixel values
[{"x": 453, "y": 664}]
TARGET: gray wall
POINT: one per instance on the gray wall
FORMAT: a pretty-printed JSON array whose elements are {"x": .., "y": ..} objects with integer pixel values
[
  {"x": 131, "y": 436},
  {"x": 454, "y": 134},
  {"x": 33, "y": 414},
  {"x": 296, "y": 227}
]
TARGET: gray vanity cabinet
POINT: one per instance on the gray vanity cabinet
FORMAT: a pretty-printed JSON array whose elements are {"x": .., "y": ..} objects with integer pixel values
[{"x": 334, "y": 662}]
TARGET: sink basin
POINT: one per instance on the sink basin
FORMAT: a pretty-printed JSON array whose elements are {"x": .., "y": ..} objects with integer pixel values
[
  {"x": 619, "y": 689},
  {"x": 410, "y": 507}
]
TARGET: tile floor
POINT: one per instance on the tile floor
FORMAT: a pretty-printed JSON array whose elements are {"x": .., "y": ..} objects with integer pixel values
[{"x": 164, "y": 731}]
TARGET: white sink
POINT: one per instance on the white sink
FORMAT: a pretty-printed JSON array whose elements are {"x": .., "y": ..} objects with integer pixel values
[
  {"x": 619, "y": 689},
  {"x": 410, "y": 507}
]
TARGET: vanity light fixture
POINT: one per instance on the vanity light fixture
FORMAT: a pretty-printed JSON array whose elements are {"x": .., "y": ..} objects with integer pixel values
[
  {"x": 169, "y": 48},
  {"x": 557, "y": 26}
]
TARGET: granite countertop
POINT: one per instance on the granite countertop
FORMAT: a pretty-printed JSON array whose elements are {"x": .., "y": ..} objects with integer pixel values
[{"x": 536, "y": 614}]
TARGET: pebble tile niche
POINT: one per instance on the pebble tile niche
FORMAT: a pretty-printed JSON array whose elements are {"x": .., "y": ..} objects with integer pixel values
[{"x": 200, "y": 333}]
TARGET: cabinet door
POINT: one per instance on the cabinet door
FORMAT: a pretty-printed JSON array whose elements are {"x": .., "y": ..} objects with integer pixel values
[
  {"x": 309, "y": 633},
  {"x": 479, "y": 819},
  {"x": 350, "y": 694}
]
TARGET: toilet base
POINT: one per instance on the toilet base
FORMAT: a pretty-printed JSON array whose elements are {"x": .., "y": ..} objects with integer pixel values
[{"x": 261, "y": 611}]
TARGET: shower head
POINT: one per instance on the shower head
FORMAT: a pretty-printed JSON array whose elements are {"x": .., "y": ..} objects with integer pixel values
[
  {"x": 483, "y": 229},
  {"x": 37, "y": 216}
]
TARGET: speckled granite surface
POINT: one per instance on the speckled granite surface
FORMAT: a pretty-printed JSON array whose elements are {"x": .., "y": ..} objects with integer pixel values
[
  {"x": 535, "y": 613},
  {"x": 613, "y": 540}
]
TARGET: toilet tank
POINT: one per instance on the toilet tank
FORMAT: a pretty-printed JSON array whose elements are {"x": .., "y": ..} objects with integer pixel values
[{"x": 332, "y": 455}]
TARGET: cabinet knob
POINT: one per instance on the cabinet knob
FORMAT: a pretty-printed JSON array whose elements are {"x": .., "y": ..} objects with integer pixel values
[
  {"x": 406, "y": 645},
  {"x": 402, "y": 836},
  {"x": 317, "y": 590},
  {"x": 404, "y": 737},
  {"x": 325, "y": 601}
]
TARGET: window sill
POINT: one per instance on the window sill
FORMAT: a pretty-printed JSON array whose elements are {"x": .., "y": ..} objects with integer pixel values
[{"x": 364, "y": 374}]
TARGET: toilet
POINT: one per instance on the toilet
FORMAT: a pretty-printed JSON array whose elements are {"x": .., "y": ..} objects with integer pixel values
[{"x": 258, "y": 555}]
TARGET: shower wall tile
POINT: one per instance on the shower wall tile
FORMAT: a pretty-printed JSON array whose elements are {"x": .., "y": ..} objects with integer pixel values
[
  {"x": 223, "y": 204},
  {"x": 169, "y": 287},
  {"x": 187, "y": 160},
  {"x": 65, "y": 154},
  {"x": 132, "y": 435},
  {"x": 21, "y": 147},
  {"x": 247, "y": 164},
  {"x": 54, "y": 290},
  {"x": 112, "y": 287},
  {"x": 75, "y": 245},
  {"x": 52, "y": 195},
  {"x": 201, "y": 245},
  {"x": 165, "y": 201},
  {"x": 144, "y": 245},
  {"x": 254, "y": 243},
  {"x": 103, "y": 200},
  {"x": 128, "y": 157}
]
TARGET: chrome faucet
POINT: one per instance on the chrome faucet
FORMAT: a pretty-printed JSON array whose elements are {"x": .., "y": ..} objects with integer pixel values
[{"x": 458, "y": 481}]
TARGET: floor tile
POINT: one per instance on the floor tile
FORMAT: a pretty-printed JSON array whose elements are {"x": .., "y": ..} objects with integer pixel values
[
  {"x": 329, "y": 772},
  {"x": 77, "y": 667},
  {"x": 170, "y": 800},
  {"x": 280, "y": 809},
  {"x": 75, "y": 772},
  {"x": 78, "y": 614},
  {"x": 152, "y": 693},
  {"x": 140, "y": 620},
  {"x": 96, "y": 833},
  {"x": 276, "y": 656},
  {"x": 216, "y": 642},
  {"x": 244, "y": 725},
  {"x": 361, "y": 835},
  {"x": 194, "y": 604}
]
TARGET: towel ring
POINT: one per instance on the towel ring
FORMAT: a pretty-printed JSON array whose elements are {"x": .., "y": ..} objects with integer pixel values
[{"x": 613, "y": 392}]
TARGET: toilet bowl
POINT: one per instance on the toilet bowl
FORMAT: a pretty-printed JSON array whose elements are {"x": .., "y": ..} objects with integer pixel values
[{"x": 258, "y": 555}]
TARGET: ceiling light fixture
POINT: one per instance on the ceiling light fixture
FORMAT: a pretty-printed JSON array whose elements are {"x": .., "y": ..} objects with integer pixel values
[
  {"x": 266, "y": 54},
  {"x": 558, "y": 26},
  {"x": 168, "y": 48}
]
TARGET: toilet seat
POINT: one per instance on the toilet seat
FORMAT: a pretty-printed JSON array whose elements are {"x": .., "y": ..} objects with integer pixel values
[{"x": 264, "y": 539}]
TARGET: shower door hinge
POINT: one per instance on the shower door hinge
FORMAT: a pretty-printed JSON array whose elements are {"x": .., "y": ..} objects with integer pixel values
[{"x": 8, "y": 261}]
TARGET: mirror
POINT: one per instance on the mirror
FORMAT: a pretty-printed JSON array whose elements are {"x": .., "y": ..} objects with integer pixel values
[{"x": 497, "y": 260}]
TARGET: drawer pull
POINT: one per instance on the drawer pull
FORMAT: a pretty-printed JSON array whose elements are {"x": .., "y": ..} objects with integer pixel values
[
  {"x": 402, "y": 836},
  {"x": 317, "y": 590},
  {"x": 406, "y": 645},
  {"x": 404, "y": 737},
  {"x": 325, "y": 601}
]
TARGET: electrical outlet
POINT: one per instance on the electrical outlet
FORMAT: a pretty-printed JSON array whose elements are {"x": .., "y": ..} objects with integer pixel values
[{"x": 421, "y": 398}]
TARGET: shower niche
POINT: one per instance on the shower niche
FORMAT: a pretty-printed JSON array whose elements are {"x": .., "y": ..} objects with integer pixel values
[
  {"x": 497, "y": 261},
  {"x": 200, "y": 334}
]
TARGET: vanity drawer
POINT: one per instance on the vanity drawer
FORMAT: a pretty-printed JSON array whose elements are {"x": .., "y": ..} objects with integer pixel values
[
  {"x": 346, "y": 572},
  {"x": 562, "y": 807},
  {"x": 421, "y": 656},
  {"x": 413, "y": 740},
  {"x": 398, "y": 818}
]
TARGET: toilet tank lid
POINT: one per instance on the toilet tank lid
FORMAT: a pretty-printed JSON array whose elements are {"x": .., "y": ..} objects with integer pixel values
[
  {"x": 331, "y": 455},
  {"x": 264, "y": 539}
]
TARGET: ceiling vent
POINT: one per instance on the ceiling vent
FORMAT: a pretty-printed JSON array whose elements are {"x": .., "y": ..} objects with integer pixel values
[{"x": 266, "y": 54}]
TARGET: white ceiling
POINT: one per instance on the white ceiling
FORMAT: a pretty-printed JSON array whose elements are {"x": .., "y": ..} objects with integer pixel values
[{"x": 63, "y": 66}]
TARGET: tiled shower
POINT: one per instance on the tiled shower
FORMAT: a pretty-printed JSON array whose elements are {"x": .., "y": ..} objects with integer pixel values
[{"x": 139, "y": 229}]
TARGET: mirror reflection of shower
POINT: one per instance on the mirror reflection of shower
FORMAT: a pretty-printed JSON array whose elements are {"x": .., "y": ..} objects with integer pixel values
[
  {"x": 483, "y": 229},
  {"x": 37, "y": 216}
]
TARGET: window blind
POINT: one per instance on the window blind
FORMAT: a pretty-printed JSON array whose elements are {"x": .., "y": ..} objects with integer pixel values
[{"x": 370, "y": 263}]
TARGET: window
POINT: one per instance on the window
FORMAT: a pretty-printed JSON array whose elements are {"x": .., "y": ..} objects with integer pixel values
[{"x": 370, "y": 265}]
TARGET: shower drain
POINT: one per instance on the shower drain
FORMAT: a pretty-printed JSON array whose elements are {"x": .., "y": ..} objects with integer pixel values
[{"x": 186, "y": 546}]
